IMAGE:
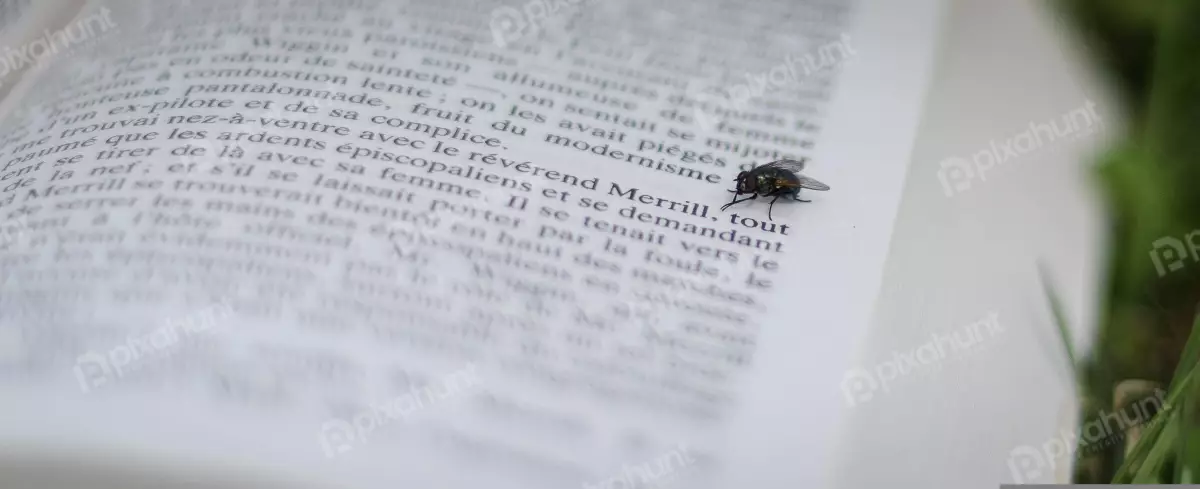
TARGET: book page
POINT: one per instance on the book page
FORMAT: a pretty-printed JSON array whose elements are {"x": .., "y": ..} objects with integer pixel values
[
  {"x": 12, "y": 11},
  {"x": 32, "y": 34},
  {"x": 451, "y": 244}
]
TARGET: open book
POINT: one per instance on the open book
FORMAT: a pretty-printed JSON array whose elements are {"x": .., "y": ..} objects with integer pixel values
[{"x": 356, "y": 243}]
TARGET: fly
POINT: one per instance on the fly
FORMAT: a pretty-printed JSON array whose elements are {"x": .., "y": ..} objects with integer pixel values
[{"x": 775, "y": 179}]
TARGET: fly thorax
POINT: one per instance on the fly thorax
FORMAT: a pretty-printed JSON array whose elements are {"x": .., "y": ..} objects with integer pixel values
[{"x": 765, "y": 184}]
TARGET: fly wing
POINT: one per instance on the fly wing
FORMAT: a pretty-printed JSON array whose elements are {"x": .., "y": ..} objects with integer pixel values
[
  {"x": 794, "y": 166},
  {"x": 811, "y": 184}
]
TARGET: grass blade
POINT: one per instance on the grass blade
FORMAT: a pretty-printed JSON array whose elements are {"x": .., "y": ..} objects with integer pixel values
[
  {"x": 1149, "y": 439},
  {"x": 1143, "y": 456},
  {"x": 1188, "y": 465},
  {"x": 1060, "y": 319},
  {"x": 1191, "y": 352},
  {"x": 1161, "y": 452}
]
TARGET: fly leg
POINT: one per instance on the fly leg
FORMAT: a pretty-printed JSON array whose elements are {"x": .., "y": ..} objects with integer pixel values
[
  {"x": 735, "y": 200},
  {"x": 777, "y": 194},
  {"x": 796, "y": 197}
]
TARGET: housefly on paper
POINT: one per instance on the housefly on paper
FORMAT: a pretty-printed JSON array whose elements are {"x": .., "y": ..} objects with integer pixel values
[{"x": 775, "y": 179}]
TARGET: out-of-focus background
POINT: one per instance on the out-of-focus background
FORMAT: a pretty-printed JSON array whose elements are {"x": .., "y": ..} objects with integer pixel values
[
  {"x": 956, "y": 259},
  {"x": 1088, "y": 377}
]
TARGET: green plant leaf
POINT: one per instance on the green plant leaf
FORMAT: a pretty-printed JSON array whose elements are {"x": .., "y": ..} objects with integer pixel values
[
  {"x": 1149, "y": 439},
  {"x": 1191, "y": 352},
  {"x": 1187, "y": 467},
  {"x": 1157, "y": 442},
  {"x": 1162, "y": 450},
  {"x": 1060, "y": 319}
]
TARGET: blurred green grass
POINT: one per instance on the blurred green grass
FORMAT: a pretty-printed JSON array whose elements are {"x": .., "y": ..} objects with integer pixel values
[{"x": 1150, "y": 51}]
